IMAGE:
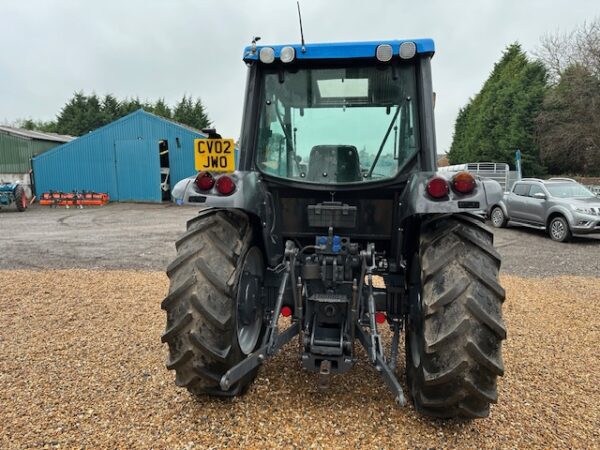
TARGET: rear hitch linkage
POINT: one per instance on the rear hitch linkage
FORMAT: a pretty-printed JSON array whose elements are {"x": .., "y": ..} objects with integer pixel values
[
  {"x": 370, "y": 339},
  {"x": 272, "y": 341}
]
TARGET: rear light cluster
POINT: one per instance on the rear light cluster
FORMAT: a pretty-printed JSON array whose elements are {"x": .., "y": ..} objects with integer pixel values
[
  {"x": 437, "y": 187},
  {"x": 462, "y": 182},
  {"x": 223, "y": 184}
]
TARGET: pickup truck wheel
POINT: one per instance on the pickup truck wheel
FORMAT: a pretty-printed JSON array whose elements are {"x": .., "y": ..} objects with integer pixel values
[
  {"x": 498, "y": 218},
  {"x": 559, "y": 229}
]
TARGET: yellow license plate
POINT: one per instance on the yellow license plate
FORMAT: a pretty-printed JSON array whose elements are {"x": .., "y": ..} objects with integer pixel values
[{"x": 214, "y": 155}]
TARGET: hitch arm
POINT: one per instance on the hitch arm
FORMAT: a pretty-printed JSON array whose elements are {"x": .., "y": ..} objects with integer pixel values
[
  {"x": 255, "y": 359},
  {"x": 272, "y": 343},
  {"x": 382, "y": 366}
]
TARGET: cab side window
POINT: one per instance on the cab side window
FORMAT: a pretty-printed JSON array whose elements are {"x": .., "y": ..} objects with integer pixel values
[
  {"x": 521, "y": 189},
  {"x": 535, "y": 189}
]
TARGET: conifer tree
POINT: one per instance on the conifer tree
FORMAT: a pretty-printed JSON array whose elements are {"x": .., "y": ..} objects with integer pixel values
[{"x": 500, "y": 119}]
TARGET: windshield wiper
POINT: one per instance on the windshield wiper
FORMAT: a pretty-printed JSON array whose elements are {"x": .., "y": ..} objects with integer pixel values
[
  {"x": 290, "y": 141},
  {"x": 385, "y": 138}
]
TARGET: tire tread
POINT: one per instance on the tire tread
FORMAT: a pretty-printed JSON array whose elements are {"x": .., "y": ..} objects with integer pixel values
[
  {"x": 202, "y": 331},
  {"x": 460, "y": 346}
]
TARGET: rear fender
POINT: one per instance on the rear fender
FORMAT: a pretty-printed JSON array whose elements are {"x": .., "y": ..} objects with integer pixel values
[
  {"x": 250, "y": 196},
  {"x": 415, "y": 200}
]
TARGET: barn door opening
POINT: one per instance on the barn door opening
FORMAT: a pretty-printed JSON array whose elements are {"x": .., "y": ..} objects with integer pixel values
[{"x": 165, "y": 170}]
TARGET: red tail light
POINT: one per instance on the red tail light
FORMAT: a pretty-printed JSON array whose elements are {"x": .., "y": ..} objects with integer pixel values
[
  {"x": 379, "y": 317},
  {"x": 463, "y": 182},
  {"x": 286, "y": 311},
  {"x": 225, "y": 185},
  {"x": 437, "y": 187},
  {"x": 205, "y": 181}
]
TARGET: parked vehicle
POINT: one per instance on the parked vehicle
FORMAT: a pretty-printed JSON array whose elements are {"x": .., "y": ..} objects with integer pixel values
[
  {"x": 560, "y": 206},
  {"x": 337, "y": 184},
  {"x": 13, "y": 193}
]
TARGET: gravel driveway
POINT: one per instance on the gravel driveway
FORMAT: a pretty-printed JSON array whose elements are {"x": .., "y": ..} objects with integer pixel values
[{"x": 81, "y": 363}]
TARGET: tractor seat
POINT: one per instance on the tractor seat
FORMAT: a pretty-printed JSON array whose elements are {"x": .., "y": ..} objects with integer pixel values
[{"x": 334, "y": 164}]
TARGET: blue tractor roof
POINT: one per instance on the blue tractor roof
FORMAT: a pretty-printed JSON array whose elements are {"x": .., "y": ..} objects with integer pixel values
[{"x": 342, "y": 50}]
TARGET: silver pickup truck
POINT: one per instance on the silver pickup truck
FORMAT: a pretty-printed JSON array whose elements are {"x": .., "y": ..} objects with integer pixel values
[{"x": 560, "y": 206}]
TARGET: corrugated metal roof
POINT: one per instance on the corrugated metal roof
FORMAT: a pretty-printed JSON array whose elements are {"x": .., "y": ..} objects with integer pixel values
[
  {"x": 38, "y": 135},
  {"x": 179, "y": 124}
]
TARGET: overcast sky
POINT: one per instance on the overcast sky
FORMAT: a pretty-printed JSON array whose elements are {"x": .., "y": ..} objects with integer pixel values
[{"x": 149, "y": 48}]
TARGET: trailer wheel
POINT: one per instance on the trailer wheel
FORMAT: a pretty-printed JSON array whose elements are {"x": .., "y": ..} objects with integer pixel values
[
  {"x": 214, "y": 313},
  {"x": 20, "y": 198},
  {"x": 455, "y": 328}
]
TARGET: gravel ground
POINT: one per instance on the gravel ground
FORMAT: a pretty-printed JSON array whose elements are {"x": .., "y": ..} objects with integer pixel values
[
  {"x": 116, "y": 236},
  {"x": 81, "y": 365},
  {"x": 531, "y": 253},
  {"x": 141, "y": 236}
]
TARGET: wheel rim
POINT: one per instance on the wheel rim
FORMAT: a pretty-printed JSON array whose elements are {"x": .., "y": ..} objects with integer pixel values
[
  {"x": 415, "y": 315},
  {"x": 497, "y": 217},
  {"x": 557, "y": 229},
  {"x": 23, "y": 201},
  {"x": 415, "y": 342},
  {"x": 249, "y": 311}
]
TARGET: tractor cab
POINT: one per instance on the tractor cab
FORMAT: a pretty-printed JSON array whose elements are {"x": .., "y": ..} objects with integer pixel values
[{"x": 338, "y": 114}]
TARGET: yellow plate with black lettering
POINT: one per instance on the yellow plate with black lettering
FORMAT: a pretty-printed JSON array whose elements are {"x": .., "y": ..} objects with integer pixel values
[{"x": 214, "y": 155}]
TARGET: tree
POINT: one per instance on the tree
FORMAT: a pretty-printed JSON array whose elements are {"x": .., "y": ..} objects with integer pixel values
[
  {"x": 560, "y": 50},
  {"x": 70, "y": 114},
  {"x": 82, "y": 113},
  {"x": 500, "y": 118},
  {"x": 130, "y": 105},
  {"x": 160, "y": 108},
  {"x": 111, "y": 109},
  {"x": 37, "y": 125},
  {"x": 191, "y": 113},
  {"x": 94, "y": 116},
  {"x": 568, "y": 127}
]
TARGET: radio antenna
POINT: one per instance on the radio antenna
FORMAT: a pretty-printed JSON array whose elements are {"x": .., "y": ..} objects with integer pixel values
[{"x": 301, "y": 32}]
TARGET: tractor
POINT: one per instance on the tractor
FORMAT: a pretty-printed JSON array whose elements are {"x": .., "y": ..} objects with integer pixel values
[
  {"x": 13, "y": 193},
  {"x": 331, "y": 226}
]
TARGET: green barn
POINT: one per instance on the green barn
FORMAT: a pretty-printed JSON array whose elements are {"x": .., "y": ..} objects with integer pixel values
[{"x": 18, "y": 146}]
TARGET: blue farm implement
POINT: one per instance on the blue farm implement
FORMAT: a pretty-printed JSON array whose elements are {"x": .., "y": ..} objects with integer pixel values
[{"x": 13, "y": 193}]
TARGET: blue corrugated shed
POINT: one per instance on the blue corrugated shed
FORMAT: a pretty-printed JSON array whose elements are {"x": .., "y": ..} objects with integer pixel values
[{"x": 121, "y": 159}]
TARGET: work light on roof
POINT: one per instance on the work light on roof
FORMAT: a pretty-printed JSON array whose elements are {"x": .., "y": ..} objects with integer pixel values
[
  {"x": 384, "y": 52},
  {"x": 267, "y": 55},
  {"x": 287, "y": 54},
  {"x": 407, "y": 50}
]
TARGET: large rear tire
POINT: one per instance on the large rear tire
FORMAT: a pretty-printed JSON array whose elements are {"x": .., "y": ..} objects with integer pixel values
[
  {"x": 214, "y": 318},
  {"x": 455, "y": 327},
  {"x": 20, "y": 198}
]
